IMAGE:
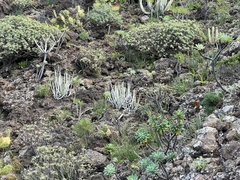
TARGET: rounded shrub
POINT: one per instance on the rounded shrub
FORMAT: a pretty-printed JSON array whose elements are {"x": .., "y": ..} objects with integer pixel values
[
  {"x": 17, "y": 34},
  {"x": 164, "y": 39}
]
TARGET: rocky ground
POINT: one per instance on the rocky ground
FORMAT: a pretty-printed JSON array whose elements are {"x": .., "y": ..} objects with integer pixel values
[{"x": 32, "y": 119}]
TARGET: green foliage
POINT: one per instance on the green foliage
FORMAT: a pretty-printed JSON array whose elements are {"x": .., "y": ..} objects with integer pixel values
[
  {"x": 43, "y": 90},
  {"x": 99, "y": 106},
  {"x": 110, "y": 148},
  {"x": 19, "y": 5},
  {"x": 6, "y": 170},
  {"x": 132, "y": 177},
  {"x": 104, "y": 131},
  {"x": 162, "y": 131},
  {"x": 69, "y": 21},
  {"x": 232, "y": 60},
  {"x": 183, "y": 84},
  {"x": 90, "y": 59},
  {"x": 210, "y": 101},
  {"x": 155, "y": 162},
  {"x": 200, "y": 163},
  {"x": 83, "y": 128},
  {"x": 142, "y": 135},
  {"x": 103, "y": 15},
  {"x": 109, "y": 170},
  {"x": 164, "y": 39},
  {"x": 84, "y": 35},
  {"x": 61, "y": 115},
  {"x": 17, "y": 34},
  {"x": 56, "y": 163},
  {"x": 23, "y": 64}
]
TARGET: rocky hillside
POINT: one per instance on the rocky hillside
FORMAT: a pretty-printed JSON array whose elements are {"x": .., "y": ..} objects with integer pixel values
[{"x": 108, "y": 91}]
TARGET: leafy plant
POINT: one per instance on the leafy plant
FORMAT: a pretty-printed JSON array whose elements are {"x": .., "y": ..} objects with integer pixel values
[
  {"x": 210, "y": 101},
  {"x": 183, "y": 84},
  {"x": 6, "y": 169},
  {"x": 99, "y": 106},
  {"x": 69, "y": 21},
  {"x": 200, "y": 163},
  {"x": 132, "y": 177},
  {"x": 23, "y": 64},
  {"x": 164, "y": 39},
  {"x": 62, "y": 115},
  {"x": 18, "y": 34},
  {"x": 84, "y": 35},
  {"x": 105, "y": 131},
  {"x": 103, "y": 15},
  {"x": 109, "y": 170},
  {"x": 110, "y": 148},
  {"x": 162, "y": 131},
  {"x": 83, "y": 128},
  {"x": 90, "y": 59},
  {"x": 43, "y": 90}
]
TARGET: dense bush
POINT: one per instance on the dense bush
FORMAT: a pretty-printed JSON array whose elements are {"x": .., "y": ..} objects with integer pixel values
[
  {"x": 164, "y": 39},
  {"x": 56, "y": 163},
  {"x": 211, "y": 101},
  {"x": 17, "y": 35},
  {"x": 103, "y": 15},
  {"x": 90, "y": 59}
]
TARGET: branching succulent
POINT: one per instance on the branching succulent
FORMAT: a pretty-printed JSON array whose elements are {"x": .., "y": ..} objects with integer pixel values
[
  {"x": 17, "y": 35},
  {"x": 69, "y": 21},
  {"x": 164, "y": 39},
  {"x": 164, "y": 131}
]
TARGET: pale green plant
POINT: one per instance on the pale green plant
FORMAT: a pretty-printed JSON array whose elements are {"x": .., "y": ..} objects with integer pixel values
[
  {"x": 61, "y": 85},
  {"x": 43, "y": 90},
  {"x": 55, "y": 162},
  {"x": 122, "y": 97},
  {"x": 158, "y": 7},
  {"x": 199, "y": 163}
]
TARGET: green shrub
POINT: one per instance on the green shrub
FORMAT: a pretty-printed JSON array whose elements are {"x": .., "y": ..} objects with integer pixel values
[
  {"x": 164, "y": 39},
  {"x": 43, "y": 90},
  {"x": 56, "y": 163},
  {"x": 103, "y": 15},
  {"x": 210, "y": 101},
  {"x": 17, "y": 35},
  {"x": 90, "y": 59}
]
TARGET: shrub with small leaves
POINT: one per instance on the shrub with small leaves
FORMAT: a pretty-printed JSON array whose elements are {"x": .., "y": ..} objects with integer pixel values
[
  {"x": 164, "y": 39},
  {"x": 103, "y": 15},
  {"x": 200, "y": 163},
  {"x": 90, "y": 59},
  {"x": 109, "y": 170},
  {"x": 210, "y": 101},
  {"x": 17, "y": 34},
  {"x": 56, "y": 163},
  {"x": 152, "y": 169},
  {"x": 43, "y": 90}
]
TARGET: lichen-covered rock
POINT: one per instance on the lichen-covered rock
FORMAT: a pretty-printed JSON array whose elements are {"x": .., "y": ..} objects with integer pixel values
[{"x": 206, "y": 141}]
